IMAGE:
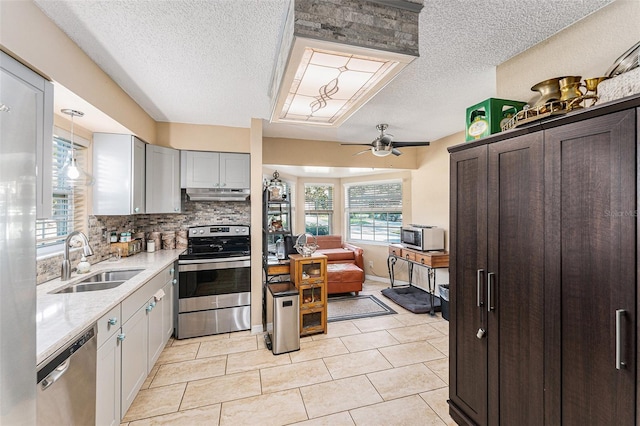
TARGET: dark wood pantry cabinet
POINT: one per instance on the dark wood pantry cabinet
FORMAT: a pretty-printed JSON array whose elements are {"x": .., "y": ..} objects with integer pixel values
[{"x": 543, "y": 272}]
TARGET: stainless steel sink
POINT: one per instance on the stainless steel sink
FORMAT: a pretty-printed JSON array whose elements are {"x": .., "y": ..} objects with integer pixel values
[
  {"x": 116, "y": 275},
  {"x": 82, "y": 287},
  {"x": 101, "y": 281}
]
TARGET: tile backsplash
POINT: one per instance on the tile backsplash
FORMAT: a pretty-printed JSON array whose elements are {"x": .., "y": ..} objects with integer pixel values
[{"x": 194, "y": 213}]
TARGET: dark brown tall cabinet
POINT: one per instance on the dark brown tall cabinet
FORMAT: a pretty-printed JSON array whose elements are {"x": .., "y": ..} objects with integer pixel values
[{"x": 543, "y": 273}]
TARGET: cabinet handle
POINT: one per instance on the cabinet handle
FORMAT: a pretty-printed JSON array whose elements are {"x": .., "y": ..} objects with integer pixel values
[
  {"x": 113, "y": 321},
  {"x": 176, "y": 209},
  {"x": 121, "y": 337},
  {"x": 175, "y": 281},
  {"x": 491, "y": 280},
  {"x": 171, "y": 271},
  {"x": 137, "y": 209},
  {"x": 479, "y": 301},
  {"x": 620, "y": 363},
  {"x": 151, "y": 306}
]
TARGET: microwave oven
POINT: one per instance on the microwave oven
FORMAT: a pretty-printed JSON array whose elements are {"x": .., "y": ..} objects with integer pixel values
[{"x": 423, "y": 238}]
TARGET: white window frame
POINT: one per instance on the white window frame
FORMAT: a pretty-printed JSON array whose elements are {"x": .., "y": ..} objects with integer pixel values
[
  {"x": 78, "y": 195},
  {"x": 315, "y": 211},
  {"x": 377, "y": 208}
]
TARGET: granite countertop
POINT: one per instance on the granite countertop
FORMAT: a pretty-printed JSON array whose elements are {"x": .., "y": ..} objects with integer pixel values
[{"x": 61, "y": 317}]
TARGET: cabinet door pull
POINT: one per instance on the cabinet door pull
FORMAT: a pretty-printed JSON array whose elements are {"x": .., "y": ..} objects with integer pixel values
[
  {"x": 491, "y": 282},
  {"x": 480, "y": 274},
  {"x": 620, "y": 363}
]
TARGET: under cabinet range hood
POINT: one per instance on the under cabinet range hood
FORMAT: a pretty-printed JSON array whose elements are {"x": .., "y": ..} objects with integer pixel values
[{"x": 218, "y": 194}]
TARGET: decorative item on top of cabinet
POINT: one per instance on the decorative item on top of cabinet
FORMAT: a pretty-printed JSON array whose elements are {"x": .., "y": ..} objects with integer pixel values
[
  {"x": 201, "y": 169},
  {"x": 163, "y": 180},
  {"x": 119, "y": 173}
]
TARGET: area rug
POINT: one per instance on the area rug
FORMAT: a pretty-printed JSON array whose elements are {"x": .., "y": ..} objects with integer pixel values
[
  {"x": 342, "y": 308},
  {"x": 412, "y": 299}
]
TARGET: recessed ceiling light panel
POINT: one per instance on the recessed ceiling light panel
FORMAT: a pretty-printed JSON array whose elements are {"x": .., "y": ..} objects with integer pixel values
[{"x": 325, "y": 82}]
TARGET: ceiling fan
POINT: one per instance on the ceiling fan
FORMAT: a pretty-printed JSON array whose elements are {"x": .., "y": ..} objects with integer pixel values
[{"x": 384, "y": 145}]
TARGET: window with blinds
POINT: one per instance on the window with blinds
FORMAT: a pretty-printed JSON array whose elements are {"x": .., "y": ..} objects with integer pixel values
[
  {"x": 374, "y": 212},
  {"x": 69, "y": 202},
  {"x": 318, "y": 209}
]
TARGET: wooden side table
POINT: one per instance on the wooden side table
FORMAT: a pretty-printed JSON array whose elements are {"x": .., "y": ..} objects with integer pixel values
[{"x": 431, "y": 260}]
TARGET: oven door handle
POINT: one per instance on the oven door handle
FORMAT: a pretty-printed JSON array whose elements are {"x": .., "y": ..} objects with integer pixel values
[{"x": 227, "y": 264}]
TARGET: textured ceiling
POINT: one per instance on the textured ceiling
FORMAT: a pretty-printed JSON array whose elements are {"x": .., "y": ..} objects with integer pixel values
[{"x": 211, "y": 62}]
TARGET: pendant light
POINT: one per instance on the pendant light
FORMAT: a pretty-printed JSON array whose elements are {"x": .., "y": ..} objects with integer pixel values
[{"x": 72, "y": 172}]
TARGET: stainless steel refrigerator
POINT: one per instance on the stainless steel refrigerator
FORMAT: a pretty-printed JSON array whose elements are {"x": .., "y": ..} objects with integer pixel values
[{"x": 22, "y": 105}]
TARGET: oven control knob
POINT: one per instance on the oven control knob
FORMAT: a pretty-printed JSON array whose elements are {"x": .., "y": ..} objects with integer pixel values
[{"x": 202, "y": 231}]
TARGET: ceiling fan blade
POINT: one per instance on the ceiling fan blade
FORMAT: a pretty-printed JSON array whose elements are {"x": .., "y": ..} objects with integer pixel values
[
  {"x": 408, "y": 144},
  {"x": 395, "y": 152},
  {"x": 356, "y": 144}
]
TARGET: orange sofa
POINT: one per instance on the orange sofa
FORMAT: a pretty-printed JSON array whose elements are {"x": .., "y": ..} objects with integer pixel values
[{"x": 345, "y": 265}]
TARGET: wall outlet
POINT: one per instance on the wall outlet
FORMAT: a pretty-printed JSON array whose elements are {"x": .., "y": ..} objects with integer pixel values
[{"x": 371, "y": 264}]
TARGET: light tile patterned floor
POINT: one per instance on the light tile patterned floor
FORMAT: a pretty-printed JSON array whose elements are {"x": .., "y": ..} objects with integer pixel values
[{"x": 388, "y": 370}]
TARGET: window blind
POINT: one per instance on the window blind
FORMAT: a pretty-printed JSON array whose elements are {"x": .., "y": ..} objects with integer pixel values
[
  {"x": 69, "y": 202},
  {"x": 318, "y": 197},
  {"x": 379, "y": 196}
]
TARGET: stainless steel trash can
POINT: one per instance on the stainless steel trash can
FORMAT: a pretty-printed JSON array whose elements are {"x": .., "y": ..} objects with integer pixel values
[{"x": 283, "y": 317}]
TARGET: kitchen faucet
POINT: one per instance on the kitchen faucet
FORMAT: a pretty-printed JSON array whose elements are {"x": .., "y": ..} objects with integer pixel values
[{"x": 66, "y": 264}]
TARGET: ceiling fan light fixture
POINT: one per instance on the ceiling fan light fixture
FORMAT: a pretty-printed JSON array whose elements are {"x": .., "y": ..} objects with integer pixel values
[{"x": 380, "y": 152}]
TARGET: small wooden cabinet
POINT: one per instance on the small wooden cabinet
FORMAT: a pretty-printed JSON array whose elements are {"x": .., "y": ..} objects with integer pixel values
[{"x": 309, "y": 274}]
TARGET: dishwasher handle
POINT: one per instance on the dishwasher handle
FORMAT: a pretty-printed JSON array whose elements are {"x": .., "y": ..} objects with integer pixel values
[
  {"x": 57, "y": 364},
  {"x": 57, "y": 373}
]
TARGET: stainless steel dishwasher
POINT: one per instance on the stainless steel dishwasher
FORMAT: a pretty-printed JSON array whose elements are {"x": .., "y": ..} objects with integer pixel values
[{"x": 66, "y": 391}]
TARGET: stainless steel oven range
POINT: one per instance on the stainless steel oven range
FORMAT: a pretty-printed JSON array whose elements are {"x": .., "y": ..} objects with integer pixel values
[{"x": 214, "y": 283}]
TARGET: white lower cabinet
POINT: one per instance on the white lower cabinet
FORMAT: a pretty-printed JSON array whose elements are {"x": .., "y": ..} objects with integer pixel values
[
  {"x": 155, "y": 332},
  {"x": 127, "y": 352},
  {"x": 108, "y": 367},
  {"x": 135, "y": 348},
  {"x": 168, "y": 309}
]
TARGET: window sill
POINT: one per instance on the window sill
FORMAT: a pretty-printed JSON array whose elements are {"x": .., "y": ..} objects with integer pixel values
[{"x": 48, "y": 252}]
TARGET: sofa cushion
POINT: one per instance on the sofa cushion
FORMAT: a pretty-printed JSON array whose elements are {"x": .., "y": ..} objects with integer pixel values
[
  {"x": 329, "y": 241},
  {"x": 344, "y": 272},
  {"x": 334, "y": 254}
]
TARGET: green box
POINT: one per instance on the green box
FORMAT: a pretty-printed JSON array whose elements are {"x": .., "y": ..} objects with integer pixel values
[{"x": 485, "y": 118}]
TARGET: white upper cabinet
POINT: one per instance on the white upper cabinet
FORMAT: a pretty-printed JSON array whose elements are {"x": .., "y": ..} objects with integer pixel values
[
  {"x": 235, "y": 171},
  {"x": 26, "y": 96},
  {"x": 119, "y": 172},
  {"x": 163, "y": 180},
  {"x": 201, "y": 169}
]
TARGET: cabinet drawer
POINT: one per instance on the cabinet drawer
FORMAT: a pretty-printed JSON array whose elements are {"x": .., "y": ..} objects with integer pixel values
[
  {"x": 142, "y": 295},
  {"x": 278, "y": 269},
  {"x": 409, "y": 255},
  {"x": 105, "y": 328},
  {"x": 395, "y": 250}
]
